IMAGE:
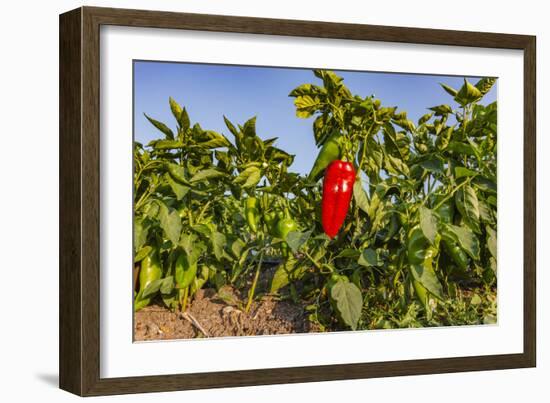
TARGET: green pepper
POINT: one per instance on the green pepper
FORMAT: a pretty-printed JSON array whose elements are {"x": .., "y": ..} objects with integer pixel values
[
  {"x": 270, "y": 220},
  {"x": 453, "y": 249},
  {"x": 418, "y": 247},
  {"x": 329, "y": 152},
  {"x": 393, "y": 227},
  {"x": 285, "y": 226},
  {"x": 150, "y": 271},
  {"x": 446, "y": 211},
  {"x": 252, "y": 213},
  {"x": 457, "y": 254},
  {"x": 420, "y": 252}
]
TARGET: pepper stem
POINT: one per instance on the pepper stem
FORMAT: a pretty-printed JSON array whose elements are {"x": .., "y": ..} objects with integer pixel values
[{"x": 254, "y": 283}]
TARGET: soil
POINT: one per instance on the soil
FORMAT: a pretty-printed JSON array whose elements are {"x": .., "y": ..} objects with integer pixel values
[
  {"x": 222, "y": 314},
  {"x": 210, "y": 316}
]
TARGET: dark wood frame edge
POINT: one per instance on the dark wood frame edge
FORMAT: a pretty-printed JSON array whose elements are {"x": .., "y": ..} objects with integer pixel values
[{"x": 79, "y": 201}]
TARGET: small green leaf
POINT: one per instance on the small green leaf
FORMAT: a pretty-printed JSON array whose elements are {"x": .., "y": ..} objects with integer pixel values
[
  {"x": 167, "y": 285},
  {"x": 349, "y": 302},
  {"x": 360, "y": 196},
  {"x": 492, "y": 241},
  {"x": 468, "y": 206},
  {"x": 179, "y": 190},
  {"x": 152, "y": 288},
  {"x": 289, "y": 270},
  {"x": 143, "y": 252},
  {"x": 297, "y": 239},
  {"x": 218, "y": 242},
  {"x": 166, "y": 144},
  {"x": 484, "y": 184},
  {"x": 468, "y": 94},
  {"x": 141, "y": 232},
  {"x": 428, "y": 224},
  {"x": 249, "y": 128},
  {"x": 485, "y": 84},
  {"x": 433, "y": 165},
  {"x": 207, "y": 174},
  {"x": 162, "y": 127},
  {"x": 349, "y": 253},
  {"x": 425, "y": 118},
  {"x": 249, "y": 177},
  {"x": 450, "y": 90},
  {"x": 171, "y": 224},
  {"x": 467, "y": 240},
  {"x": 426, "y": 276},
  {"x": 441, "y": 110},
  {"x": 461, "y": 172},
  {"x": 369, "y": 257}
]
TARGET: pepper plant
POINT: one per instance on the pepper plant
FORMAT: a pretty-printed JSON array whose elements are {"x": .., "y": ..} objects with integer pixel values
[{"x": 404, "y": 228}]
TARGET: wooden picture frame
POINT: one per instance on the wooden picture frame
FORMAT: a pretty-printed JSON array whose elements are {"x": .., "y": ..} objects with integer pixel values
[{"x": 79, "y": 201}]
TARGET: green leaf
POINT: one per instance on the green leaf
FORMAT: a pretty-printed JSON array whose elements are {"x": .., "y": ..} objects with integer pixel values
[
  {"x": 140, "y": 234},
  {"x": 249, "y": 177},
  {"x": 428, "y": 224},
  {"x": 296, "y": 239},
  {"x": 207, "y": 174},
  {"x": 424, "y": 118},
  {"x": 360, "y": 196},
  {"x": 349, "y": 253},
  {"x": 306, "y": 106},
  {"x": 492, "y": 241},
  {"x": 218, "y": 242},
  {"x": 180, "y": 114},
  {"x": 287, "y": 271},
  {"x": 215, "y": 140},
  {"x": 468, "y": 94},
  {"x": 461, "y": 172},
  {"x": 202, "y": 229},
  {"x": 467, "y": 240},
  {"x": 426, "y": 276},
  {"x": 468, "y": 206},
  {"x": 171, "y": 224},
  {"x": 485, "y": 84},
  {"x": 434, "y": 165},
  {"x": 349, "y": 302},
  {"x": 162, "y": 127},
  {"x": 152, "y": 288},
  {"x": 441, "y": 110},
  {"x": 397, "y": 144},
  {"x": 484, "y": 184},
  {"x": 143, "y": 252},
  {"x": 369, "y": 257},
  {"x": 179, "y": 190},
  {"x": 461, "y": 148},
  {"x": 167, "y": 285},
  {"x": 166, "y": 144},
  {"x": 450, "y": 90},
  {"x": 232, "y": 128},
  {"x": 249, "y": 128},
  {"x": 485, "y": 212},
  {"x": 396, "y": 166}
]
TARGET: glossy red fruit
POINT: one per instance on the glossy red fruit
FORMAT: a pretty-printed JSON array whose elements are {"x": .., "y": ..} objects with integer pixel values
[{"x": 337, "y": 191}]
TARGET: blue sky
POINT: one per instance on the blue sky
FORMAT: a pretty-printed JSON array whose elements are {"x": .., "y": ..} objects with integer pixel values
[{"x": 241, "y": 92}]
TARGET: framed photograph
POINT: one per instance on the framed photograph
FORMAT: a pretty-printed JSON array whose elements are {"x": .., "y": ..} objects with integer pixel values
[{"x": 249, "y": 201}]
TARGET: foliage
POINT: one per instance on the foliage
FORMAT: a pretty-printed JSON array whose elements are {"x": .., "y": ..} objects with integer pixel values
[{"x": 190, "y": 188}]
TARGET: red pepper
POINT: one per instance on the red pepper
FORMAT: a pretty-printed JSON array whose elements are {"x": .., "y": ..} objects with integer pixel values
[{"x": 337, "y": 191}]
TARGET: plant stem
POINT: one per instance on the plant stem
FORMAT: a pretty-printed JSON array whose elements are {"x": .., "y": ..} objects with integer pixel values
[
  {"x": 315, "y": 263},
  {"x": 452, "y": 192},
  {"x": 254, "y": 283},
  {"x": 185, "y": 295}
]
